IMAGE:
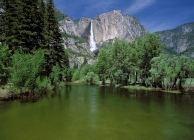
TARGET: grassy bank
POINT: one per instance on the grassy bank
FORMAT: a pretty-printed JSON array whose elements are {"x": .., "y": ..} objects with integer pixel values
[
  {"x": 136, "y": 87},
  {"x": 7, "y": 92}
]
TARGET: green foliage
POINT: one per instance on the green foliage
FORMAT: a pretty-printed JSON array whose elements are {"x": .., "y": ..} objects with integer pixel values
[
  {"x": 26, "y": 71},
  {"x": 69, "y": 52},
  {"x": 170, "y": 71},
  {"x": 84, "y": 70},
  {"x": 42, "y": 20},
  {"x": 127, "y": 61},
  {"x": 150, "y": 49},
  {"x": 75, "y": 76},
  {"x": 42, "y": 83},
  {"x": 5, "y": 64},
  {"x": 79, "y": 39},
  {"x": 69, "y": 74},
  {"x": 59, "y": 15},
  {"x": 84, "y": 63},
  {"x": 91, "y": 78},
  {"x": 27, "y": 26},
  {"x": 101, "y": 65},
  {"x": 55, "y": 75},
  {"x": 56, "y": 51},
  {"x": 9, "y": 23}
]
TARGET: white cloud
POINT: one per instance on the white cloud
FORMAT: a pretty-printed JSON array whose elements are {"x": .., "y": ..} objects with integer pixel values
[{"x": 138, "y": 6}]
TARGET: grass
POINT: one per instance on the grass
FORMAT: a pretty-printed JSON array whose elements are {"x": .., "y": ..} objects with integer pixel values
[
  {"x": 136, "y": 87},
  {"x": 172, "y": 91}
]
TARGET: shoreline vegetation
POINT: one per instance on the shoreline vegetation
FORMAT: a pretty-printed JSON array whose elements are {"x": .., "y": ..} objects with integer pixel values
[
  {"x": 33, "y": 58},
  {"x": 6, "y": 94}
]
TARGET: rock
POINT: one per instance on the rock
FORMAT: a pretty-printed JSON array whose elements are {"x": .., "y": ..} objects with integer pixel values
[
  {"x": 106, "y": 26},
  {"x": 113, "y": 25},
  {"x": 67, "y": 25},
  {"x": 77, "y": 51},
  {"x": 179, "y": 40}
]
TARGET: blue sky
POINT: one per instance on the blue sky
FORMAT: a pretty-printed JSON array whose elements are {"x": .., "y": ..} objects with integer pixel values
[{"x": 155, "y": 15}]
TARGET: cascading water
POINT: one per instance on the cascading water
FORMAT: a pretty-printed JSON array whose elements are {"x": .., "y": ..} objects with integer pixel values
[{"x": 92, "y": 41}]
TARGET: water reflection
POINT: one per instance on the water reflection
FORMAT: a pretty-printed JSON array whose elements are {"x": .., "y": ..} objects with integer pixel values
[{"x": 78, "y": 112}]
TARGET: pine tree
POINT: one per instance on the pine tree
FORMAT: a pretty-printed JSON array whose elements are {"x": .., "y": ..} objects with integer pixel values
[
  {"x": 20, "y": 25},
  {"x": 30, "y": 27},
  {"x": 57, "y": 53},
  {"x": 43, "y": 33},
  {"x": 11, "y": 14}
]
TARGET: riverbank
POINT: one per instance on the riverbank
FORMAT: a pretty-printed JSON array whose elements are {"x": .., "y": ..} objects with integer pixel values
[
  {"x": 4, "y": 94},
  {"x": 151, "y": 89},
  {"x": 136, "y": 87}
]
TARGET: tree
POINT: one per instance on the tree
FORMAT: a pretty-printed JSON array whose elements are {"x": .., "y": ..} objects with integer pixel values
[
  {"x": 120, "y": 61},
  {"x": 102, "y": 65},
  {"x": 56, "y": 51},
  {"x": 30, "y": 26},
  {"x": 21, "y": 26},
  {"x": 10, "y": 23},
  {"x": 170, "y": 71},
  {"x": 91, "y": 78},
  {"x": 43, "y": 33},
  {"x": 26, "y": 71},
  {"x": 5, "y": 64},
  {"x": 75, "y": 76},
  {"x": 55, "y": 75},
  {"x": 150, "y": 49},
  {"x": 84, "y": 70}
]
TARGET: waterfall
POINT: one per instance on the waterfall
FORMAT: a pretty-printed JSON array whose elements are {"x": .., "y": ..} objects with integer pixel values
[{"x": 92, "y": 42}]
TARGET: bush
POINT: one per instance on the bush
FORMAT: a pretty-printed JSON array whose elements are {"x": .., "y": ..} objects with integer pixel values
[
  {"x": 55, "y": 75},
  {"x": 91, "y": 78},
  {"x": 5, "y": 63},
  {"x": 75, "y": 76},
  {"x": 26, "y": 72}
]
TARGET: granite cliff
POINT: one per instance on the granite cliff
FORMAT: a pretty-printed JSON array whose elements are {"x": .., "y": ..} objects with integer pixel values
[
  {"x": 113, "y": 25},
  {"x": 179, "y": 40},
  {"x": 106, "y": 26}
]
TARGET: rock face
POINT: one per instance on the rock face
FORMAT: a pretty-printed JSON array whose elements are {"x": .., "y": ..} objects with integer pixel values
[
  {"x": 77, "y": 50},
  {"x": 80, "y": 27},
  {"x": 67, "y": 25},
  {"x": 113, "y": 25},
  {"x": 179, "y": 40},
  {"x": 106, "y": 26}
]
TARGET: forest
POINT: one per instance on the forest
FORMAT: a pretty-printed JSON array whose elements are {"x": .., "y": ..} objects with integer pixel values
[
  {"x": 141, "y": 62},
  {"x": 31, "y": 50},
  {"x": 32, "y": 55}
]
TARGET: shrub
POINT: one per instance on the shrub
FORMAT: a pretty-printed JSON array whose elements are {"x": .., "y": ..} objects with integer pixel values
[
  {"x": 91, "y": 78},
  {"x": 26, "y": 71},
  {"x": 5, "y": 63},
  {"x": 75, "y": 76}
]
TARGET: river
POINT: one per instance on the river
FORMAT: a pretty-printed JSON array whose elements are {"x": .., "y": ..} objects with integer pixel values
[{"x": 83, "y": 112}]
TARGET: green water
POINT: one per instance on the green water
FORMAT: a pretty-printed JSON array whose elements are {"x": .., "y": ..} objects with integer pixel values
[{"x": 81, "y": 112}]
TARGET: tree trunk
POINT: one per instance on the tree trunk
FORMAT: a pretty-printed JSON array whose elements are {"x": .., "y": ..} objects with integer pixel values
[
  {"x": 103, "y": 81},
  {"x": 180, "y": 84},
  {"x": 135, "y": 78},
  {"x": 175, "y": 80}
]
